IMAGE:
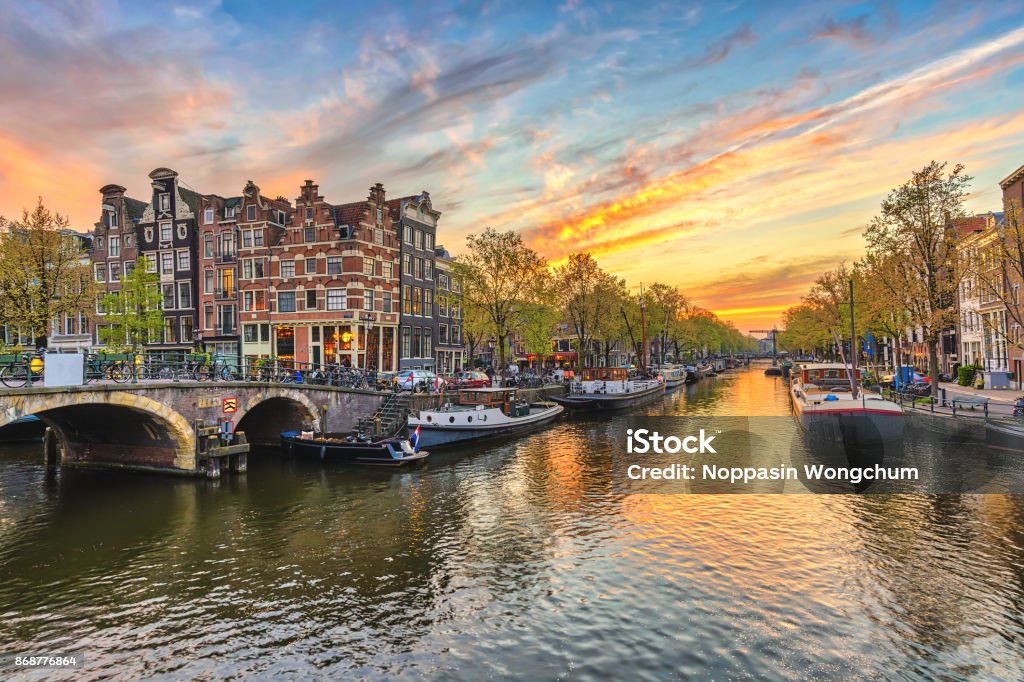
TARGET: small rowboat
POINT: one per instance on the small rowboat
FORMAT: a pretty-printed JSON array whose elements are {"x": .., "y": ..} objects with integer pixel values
[{"x": 394, "y": 451}]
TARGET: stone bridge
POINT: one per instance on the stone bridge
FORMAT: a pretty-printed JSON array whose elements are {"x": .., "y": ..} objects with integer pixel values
[{"x": 153, "y": 425}]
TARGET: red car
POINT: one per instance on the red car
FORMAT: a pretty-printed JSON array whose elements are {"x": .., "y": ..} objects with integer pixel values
[{"x": 472, "y": 380}]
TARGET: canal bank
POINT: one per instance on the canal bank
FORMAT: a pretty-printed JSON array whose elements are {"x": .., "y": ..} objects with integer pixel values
[{"x": 516, "y": 558}]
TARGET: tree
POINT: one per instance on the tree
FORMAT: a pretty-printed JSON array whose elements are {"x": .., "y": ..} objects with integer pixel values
[
  {"x": 501, "y": 276},
  {"x": 576, "y": 286},
  {"x": 538, "y": 327},
  {"x": 916, "y": 223},
  {"x": 133, "y": 314},
  {"x": 666, "y": 307},
  {"x": 44, "y": 272}
]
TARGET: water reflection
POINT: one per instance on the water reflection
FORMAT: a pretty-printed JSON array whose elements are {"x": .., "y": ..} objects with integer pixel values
[{"x": 517, "y": 558}]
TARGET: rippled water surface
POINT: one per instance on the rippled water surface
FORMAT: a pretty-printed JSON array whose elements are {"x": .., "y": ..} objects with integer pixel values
[{"x": 510, "y": 559}]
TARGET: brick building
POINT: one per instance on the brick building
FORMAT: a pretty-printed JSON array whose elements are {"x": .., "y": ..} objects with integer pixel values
[
  {"x": 115, "y": 247},
  {"x": 235, "y": 238},
  {"x": 167, "y": 237},
  {"x": 416, "y": 222},
  {"x": 333, "y": 285},
  {"x": 449, "y": 351}
]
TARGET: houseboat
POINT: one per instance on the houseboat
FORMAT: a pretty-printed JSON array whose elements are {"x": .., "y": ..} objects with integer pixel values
[
  {"x": 825, "y": 406},
  {"x": 479, "y": 413},
  {"x": 692, "y": 376},
  {"x": 354, "y": 448},
  {"x": 609, "y": 388},
  {"x": 673, "y": 376}
]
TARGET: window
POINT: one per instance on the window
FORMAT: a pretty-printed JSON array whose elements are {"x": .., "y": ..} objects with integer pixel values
[
  {"x": 334, "y": 265},
  {"x": 428, "y": 302},
  {"x": 184, "y": 294},
  {"x": 310, "y": 266},
  {"x": 428, "y": 346},
  {"x": 246, "y": 239},
  {"x": 407, "y": 299},
  {"x": 310, "y": 299},
  {"x": 99, "y": 242},
  {"x": 129, "y": 240},
  {"x": 165, "y": 202},
  {"x": 254, "y": 300},
  {"x": 186, "y": 328},
  {"x": 286, "y": 301},
  {"x": 257, "y": 267},
  {"x": 442, "y": 306},
  {"x": 407, "y": 264},
  {"x": 378, "y": 237},
  {"x": 247, "y": 268},
  {"x": 368, "y": 266},
  {"x": 168, "y": 296},
  {"x": 368, "y": 300},
  {"x": 336, "y": 299},
  {"x": 250, "y": 213},
  {"x": 380, "y": 216},
  {"x": 226, "y": 318},
  {"x": 208, "y": 317},
  {"x": 257, "y": 237},
  {"x": 115, "y": 272},
  {"x": 183, "y": 260},
  {"x": 208, "y": 245},
  {"x": 309, "y": 234},
  {"x": 419, "y": 239},
  {"x": 406, "y": 342},
  {"x": 208, "y": 281},
  {"x": 112, "y": 220},
  {"x": 282, "y": 217},
  {"x": 428, "y": 241},
  {"x": 165, "y": 232},
  {"x": 428, "y": 269},
  {"x": 150, "y": 265},
  {"x": 442, "y": 333},
  {"x": 264, "y": 333},
  {"x": 249, "y": 333},
  {"x": 101, "y": 272},
  {"x": 226, "y": 282},
  {"x": 419, "y": 268},
  {"x": 170, "y": 330},
  {"x": 129, "y": 267},
  {"x": 417, "y": 300},
  {"x": 229, "y": 212},
  {"x": 386, "y": 307},
  {"x": 309, "y": 213},
  {"x": 227, "y": 244},
  {"x": 455, "y": 335},
  {"x": 287, "y": 268},
  {"x": 408, "y": 235},
  {"x": 167, "y": 263},
  {"x": 386, "y": 270},
  {"x": 208, "y": 215}
]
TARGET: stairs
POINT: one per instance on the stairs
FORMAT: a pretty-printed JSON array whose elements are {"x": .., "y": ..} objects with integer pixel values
[{"x": 389, "y": 418}]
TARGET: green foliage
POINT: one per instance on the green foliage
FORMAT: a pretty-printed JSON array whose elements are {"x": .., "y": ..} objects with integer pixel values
[
  {"x": 132, "y": 316},
  {"x": 965, "y": 374}
]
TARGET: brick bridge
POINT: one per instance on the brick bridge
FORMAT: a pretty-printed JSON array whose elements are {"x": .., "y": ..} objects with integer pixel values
[{"x": 153, "y": 425}]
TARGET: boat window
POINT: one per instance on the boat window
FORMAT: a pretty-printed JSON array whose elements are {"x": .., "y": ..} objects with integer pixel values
[
  {"x": 451, "y": 420},
  {"x": 469, "y": 418},
  {"x": 429, "y": 418}
]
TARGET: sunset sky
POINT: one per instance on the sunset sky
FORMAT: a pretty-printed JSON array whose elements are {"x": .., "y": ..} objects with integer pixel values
[{"x": 734, "y": 149}]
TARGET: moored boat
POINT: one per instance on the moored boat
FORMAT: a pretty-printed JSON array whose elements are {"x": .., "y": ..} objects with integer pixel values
[
  {"x": 609, "y": 388},
  {"x": 692, "y": 376},
  {"x": 394, "y": 451},
  {"x": 1005, "y": 434},
  {"x": 480, "y": 413},
  {"x": 673, "y": 376},
  {"x": 825, "y": 406}
]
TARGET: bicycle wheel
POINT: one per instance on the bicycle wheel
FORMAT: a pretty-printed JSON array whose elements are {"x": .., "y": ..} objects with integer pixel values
[
  {"x": 120, "y": 372},
  {"x": 165, "y": 373},
  {"x": 14, "y": 376}
]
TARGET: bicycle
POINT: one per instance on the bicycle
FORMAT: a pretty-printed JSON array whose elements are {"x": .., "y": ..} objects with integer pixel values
[{"x": 16, "y": 374}]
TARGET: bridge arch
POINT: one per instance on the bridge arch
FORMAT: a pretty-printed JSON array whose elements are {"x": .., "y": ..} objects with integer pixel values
[
  {"x": 112, "y": 427},
  {"x": 264, "y": 416}
]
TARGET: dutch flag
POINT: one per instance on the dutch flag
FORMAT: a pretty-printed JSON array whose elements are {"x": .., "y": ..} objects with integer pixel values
[{"x": 415, "y": 438}]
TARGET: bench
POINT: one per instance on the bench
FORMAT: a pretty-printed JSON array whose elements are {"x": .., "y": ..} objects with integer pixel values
[{"x": 970, "y": 402}]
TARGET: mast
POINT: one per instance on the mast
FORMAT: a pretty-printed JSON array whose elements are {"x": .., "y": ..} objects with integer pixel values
[
  {"x": 643, "y": 333},
  {"x": 853, "y": 350}
]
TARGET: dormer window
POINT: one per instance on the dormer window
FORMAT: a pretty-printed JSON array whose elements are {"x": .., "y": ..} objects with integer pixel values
[
  {"x": 229, "y": 212},
  {"x": 309, "y": 213},
  {"x": 112, "y": 220},
  {"x": 250, "y": 213},
  {"x": 165, "y": 202},
  {"x": 208, "y": 215}
]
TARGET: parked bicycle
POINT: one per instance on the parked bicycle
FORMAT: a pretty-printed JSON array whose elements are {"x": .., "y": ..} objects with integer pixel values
[{"x": 17, "y": 373}]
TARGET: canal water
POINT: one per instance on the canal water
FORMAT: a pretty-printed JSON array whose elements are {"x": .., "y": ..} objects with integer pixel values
[{"x": 519, "y": 558}]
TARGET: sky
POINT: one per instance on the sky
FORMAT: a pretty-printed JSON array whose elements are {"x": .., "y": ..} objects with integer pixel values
[{"x": 734, "y": 149}]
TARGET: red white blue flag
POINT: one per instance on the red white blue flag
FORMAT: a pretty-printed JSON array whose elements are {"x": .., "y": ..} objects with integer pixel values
[{"x": 415, "y": 438}]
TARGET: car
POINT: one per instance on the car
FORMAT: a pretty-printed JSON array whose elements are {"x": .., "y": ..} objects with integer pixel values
[
  {"x": 471, "y": 380},
  {"x": 418, "y": 380}
]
